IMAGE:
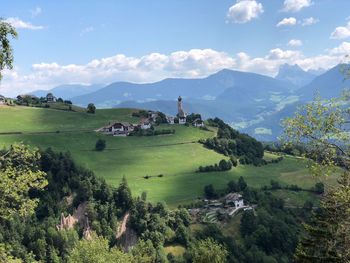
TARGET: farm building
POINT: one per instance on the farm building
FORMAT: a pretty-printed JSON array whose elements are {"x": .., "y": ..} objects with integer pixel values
[
  {"x": 2, "y": 100},
  {"x": 145, "y": 125},
  {"x": 198, "y": 123},
  {"x": 50, "y": 97},
  {"x": 234, "y": 199},
  {"x": 170, "y": 119},
  {"x": 118, "y": 129},
  {"x": 153, "y": 115}
]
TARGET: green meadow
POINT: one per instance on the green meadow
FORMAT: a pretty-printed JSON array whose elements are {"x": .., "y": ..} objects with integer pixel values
[{"x": 170, "y": 161}]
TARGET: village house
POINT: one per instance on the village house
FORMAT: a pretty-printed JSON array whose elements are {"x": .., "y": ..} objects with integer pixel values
[
  {"x": 198, "y": 123},
  {"x": 121, "y": 128},
  {"x": 145, "y": 125},
  {"x": 234, "y": 199},
  {"x": 2, "y": 100},
  {"x": 27, "y": 98},
  {"x": 153, "y": 115},
  {"x": 170, "y": 119},
  {"x": 118, "y": 129},
  {"x": 50, "y": 97}
]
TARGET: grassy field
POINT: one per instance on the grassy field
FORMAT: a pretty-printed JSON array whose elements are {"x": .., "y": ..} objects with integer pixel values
[{"x": 176, "y": 156}]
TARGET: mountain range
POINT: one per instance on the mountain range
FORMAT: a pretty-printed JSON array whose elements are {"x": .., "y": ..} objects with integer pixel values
[
  {"x": 69, "y": 91},
  {"x": 250, "y": 102}
]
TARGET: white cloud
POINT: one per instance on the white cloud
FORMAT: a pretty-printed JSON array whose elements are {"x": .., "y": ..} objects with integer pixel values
[
  {"x": 309, "y": 21},
  {"x": 291, "y": 21},
  {"x": 295, "y": 5},
  {"x": 343, "y": 49},
  {"x": 36, "y": 11},
  {"x": 244, "y": 11},
  {"x": 20, "y": 24},
  {"x": 295, "y": 43},
  {"x": 87, "y": 30},
  {"x": 152, "y": 67},
  {"x": 341, "y": 32}
]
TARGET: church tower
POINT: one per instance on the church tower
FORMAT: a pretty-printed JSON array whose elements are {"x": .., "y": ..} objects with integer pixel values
[{"x": 180, "y": 112}]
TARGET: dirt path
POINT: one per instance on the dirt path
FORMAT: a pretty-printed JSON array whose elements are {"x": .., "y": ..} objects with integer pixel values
[{"x": 122, "y": 227}]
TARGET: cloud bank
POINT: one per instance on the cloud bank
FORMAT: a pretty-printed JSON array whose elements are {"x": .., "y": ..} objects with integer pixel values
[{"x": 152, "y": 67}]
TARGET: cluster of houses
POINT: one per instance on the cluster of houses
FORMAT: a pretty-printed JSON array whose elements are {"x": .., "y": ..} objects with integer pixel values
[
  {"x": 49, "y": 98},
  {"x": 2, "y": 100},
  {"x": 227, "y": 206},
  {"x": 117, "y": 128}
]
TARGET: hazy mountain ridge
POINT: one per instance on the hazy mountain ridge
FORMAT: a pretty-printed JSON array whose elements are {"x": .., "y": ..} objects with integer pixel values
[
  {"x": 69, "y": 91},
  {"x": 253, "y": 103}
]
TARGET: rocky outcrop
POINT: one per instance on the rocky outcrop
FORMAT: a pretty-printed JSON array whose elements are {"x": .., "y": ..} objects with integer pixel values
[{"x": 66, "y": 223}]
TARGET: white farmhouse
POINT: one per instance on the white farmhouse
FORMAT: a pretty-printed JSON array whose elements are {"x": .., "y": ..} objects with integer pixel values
[
  {"x": 170, "y": 119},
  {"x": 234, "y": 199},
  {"x": 198, "y": 123},
  {"x": 145, "y": 125}
]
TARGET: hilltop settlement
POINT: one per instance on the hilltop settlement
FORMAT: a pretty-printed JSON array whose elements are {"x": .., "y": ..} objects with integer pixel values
[{"x": 150, "y": 118}]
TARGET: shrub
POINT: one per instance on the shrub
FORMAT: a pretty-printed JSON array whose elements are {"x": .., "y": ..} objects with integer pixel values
[
  {"x": 319, "y": 188},
  {"x": 100, "y": 145}
]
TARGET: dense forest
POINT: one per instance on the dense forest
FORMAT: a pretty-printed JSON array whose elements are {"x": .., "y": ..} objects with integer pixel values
[
  {"x": 267, "y": 234},
  {"x": 233, "y": 143}
]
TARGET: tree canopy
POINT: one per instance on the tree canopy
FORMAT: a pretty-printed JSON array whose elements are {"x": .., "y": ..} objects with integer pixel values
[
  {"x": 6, "y": 51},
  {"x": 20, "y": 174}
]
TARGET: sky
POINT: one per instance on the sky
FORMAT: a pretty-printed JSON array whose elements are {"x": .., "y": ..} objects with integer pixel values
[{"x": 89, "y": 42}]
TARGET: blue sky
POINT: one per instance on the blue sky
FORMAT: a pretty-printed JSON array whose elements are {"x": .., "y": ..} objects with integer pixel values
[{"x": 141, "y": 41}]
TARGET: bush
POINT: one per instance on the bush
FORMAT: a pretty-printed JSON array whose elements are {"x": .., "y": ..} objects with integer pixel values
[
  {"x": 319, "y": 188},
  {"x": 100, "y": 145},
  {"x": 234, "y": 160},
  {"x": 222, "y": 166},
  {"x": 91, "y": 108}
]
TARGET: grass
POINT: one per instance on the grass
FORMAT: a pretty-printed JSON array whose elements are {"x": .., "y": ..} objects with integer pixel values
[{"x": 176, "y": 156}]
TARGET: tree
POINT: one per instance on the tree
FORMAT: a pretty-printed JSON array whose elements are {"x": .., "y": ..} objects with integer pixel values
[
  {"x": 91, "y": 108},
  {"x": 100, "y": 145},
  {"x": 242, "y": 184},
  {"x": 97, "y": 251},
  {"x": 144, "y": 251},
  {"x": 209, "y": 191},
  {"x": 234, "y": 161},
  {"x": 208, "y": 251},
  {"x": 225, "y": 165},
  {"x": 123, "y": 196},
  {"x": 328, "y": 238},
  {"x": 322, "y": 126},
  {"x": 319, "y": 188},
  {"x": 6, "y": 51},
  {"x": 248, "y": 223},
  {"x": 232, "y": 186},
  {"x": 19, "y": 175}
]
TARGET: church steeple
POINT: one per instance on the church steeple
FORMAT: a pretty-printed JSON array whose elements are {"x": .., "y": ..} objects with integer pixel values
[{"x": 180, "y": 111}]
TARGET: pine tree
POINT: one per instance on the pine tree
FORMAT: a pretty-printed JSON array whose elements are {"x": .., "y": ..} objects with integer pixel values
[{"x": 328, "y": 235}]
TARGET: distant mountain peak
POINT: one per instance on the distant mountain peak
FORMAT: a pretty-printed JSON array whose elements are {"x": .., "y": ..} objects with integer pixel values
[{"x": 294, "y": 74}]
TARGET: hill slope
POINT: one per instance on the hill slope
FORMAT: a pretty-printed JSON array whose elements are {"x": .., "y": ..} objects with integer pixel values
[{"x": 176, "y": 157}]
